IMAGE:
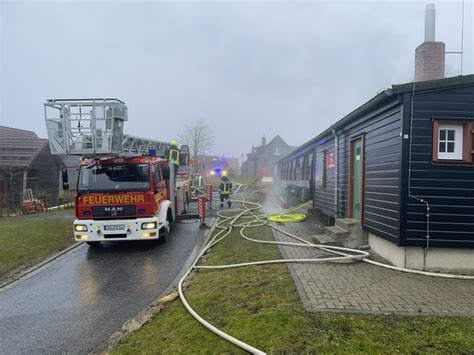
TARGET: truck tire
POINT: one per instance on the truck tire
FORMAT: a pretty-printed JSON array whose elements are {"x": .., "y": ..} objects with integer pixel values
[{"x": 165, "y": 231}]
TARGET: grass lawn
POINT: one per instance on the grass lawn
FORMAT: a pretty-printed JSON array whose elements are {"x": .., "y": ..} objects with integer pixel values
[
  {"x": 260, "y": 305},
  {"x": 25, "y": 240}
]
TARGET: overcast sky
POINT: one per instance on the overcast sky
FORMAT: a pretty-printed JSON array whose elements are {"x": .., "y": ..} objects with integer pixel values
[{"x": 247, "y": 68}]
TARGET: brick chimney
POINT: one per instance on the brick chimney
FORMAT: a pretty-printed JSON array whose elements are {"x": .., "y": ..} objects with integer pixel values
[{"x": 430, "y": 55}]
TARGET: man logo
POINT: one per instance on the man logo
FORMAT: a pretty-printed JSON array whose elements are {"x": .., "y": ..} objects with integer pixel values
[{"x": 113, "y": 210}]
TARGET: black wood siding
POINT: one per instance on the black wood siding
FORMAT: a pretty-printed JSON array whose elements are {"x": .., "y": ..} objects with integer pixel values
[
  {"x": 382, "y": 152},
  {"x": 324, "y": 197},
  {"x": 449, "y": 190}
]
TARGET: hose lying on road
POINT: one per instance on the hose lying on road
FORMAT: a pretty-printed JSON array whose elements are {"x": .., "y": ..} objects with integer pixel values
[{"x": 247, "y": 217}]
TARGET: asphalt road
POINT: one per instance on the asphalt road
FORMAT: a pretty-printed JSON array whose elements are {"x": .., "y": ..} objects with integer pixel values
[{"x": 75, "y": 303}]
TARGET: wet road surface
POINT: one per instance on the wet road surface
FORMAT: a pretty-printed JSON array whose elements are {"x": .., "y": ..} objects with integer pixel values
[{"x": 75, "y": 303}]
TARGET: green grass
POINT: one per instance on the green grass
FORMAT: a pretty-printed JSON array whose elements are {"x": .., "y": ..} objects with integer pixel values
[
  {"x": 25, "y": 240},
  {"x": 260, "y": 305}
]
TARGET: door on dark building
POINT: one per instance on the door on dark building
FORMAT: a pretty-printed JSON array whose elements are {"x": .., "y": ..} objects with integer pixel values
[{"x": 357, "y": 168}]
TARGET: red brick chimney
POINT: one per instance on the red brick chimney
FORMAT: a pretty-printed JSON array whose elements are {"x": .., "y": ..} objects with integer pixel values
[{"x": 430, "y": 55}]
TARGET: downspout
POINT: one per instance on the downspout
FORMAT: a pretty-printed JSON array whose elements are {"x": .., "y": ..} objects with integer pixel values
[
  {"x": 427, "y": 245},
  {"x": 336, "y": 173}
]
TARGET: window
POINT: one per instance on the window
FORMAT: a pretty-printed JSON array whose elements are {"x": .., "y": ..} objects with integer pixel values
[
  {"x": 453, "y": 141},
  {"x": 297, "y": 169},
  {"x": 156, "y": 175},
  {"x": 320, "y": 173},
  {"x": 276, "y": 150},
  {"x": 114, "y": 178},
  {"x": 305, "y": 173},
  {"x": 450, "y": 142}
]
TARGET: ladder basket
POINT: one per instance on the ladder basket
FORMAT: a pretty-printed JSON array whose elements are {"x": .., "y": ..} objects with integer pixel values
[{"x": 86, "y": 127}]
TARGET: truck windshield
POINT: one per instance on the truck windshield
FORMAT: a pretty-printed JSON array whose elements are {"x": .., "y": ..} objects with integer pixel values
[{"x": 114, "y": 178}]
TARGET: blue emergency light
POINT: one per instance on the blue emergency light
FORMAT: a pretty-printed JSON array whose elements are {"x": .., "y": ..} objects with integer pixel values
[{"x": 152, "y": 152}]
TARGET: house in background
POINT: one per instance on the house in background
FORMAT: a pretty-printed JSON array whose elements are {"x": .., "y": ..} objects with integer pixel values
[
  {"x": 26, "y": 163},
  {"x": 261, "y": 160}
]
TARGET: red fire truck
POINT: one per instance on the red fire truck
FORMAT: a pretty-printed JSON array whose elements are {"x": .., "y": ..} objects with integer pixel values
[{"x": 125, "y": 191}]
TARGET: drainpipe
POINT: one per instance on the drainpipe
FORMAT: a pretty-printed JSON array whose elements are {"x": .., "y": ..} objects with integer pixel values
[
  {"x": 336, "y": 173},
  {"x": 427, "y": 246}
]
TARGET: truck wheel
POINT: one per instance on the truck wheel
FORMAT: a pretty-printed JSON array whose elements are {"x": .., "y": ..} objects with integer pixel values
[
  {"x": 165, "y": 231},
  {"x": 93, "y": 244}
]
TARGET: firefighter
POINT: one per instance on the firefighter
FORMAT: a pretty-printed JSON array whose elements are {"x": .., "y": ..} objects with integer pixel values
[
  {"x": 225, "y": 189},
  {"x": 173, "y": 153}
]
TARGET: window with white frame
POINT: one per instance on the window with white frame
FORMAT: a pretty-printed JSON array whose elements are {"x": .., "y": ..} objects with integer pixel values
[
  {"x": 453, "y": 141},
  {"x": 450, "y": 142},
  {"x": 276, "y": 150}
]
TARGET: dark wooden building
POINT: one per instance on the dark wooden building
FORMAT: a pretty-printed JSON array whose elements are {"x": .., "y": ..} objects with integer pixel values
[
  {"x": 402, "y": 164},
  {"x": 26, "y": 163}
]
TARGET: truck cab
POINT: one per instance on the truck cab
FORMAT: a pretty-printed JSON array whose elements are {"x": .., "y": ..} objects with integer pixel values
[{"x": 123, "y": 199}]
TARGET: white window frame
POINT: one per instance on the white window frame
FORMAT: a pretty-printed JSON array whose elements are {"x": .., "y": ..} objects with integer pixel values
[
  {"x": 277, "y": 150},
  {"x": 458, "y": 142}
]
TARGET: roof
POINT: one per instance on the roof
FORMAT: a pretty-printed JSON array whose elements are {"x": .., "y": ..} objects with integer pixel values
[
  {"x": 20, "y": 153},
  {"x": 16, "y": 133},
  {"x": 395, "y": 90},
  {"x": 276, "y": 139},
  {"x": 261, "y": 148},
  {"x": 433, "y": 84}
]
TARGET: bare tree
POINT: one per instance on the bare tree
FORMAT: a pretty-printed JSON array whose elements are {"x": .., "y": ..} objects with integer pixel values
[{"x": 198, "y": 136}]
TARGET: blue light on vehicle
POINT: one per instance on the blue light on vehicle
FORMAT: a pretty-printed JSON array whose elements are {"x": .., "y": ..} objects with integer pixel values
[
  {"x": 152, "y": 152},
  {"x": 87, "y": 213},
  {"x": 141, "y": 210}
]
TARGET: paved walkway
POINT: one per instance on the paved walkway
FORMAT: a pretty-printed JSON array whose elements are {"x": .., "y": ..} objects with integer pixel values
[{"x": 363, "y": 288}]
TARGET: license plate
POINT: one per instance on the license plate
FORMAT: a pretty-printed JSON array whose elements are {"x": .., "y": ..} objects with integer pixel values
[{"x": 115, "y": 227}]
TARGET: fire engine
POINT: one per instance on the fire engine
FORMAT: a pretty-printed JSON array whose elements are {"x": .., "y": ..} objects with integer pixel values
[
  {"x": 219, "y": 166},
  {"x": 126, "y": 187}
]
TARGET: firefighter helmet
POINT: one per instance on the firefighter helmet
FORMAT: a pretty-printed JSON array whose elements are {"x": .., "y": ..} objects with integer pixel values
[{"x": 174, "y": 143}]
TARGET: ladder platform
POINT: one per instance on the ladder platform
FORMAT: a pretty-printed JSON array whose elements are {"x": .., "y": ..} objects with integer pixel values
[{"x": 93, "y": 128}]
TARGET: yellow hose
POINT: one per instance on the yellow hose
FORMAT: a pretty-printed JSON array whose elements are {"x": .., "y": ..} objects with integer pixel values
[{"x": 287, "y": 217}]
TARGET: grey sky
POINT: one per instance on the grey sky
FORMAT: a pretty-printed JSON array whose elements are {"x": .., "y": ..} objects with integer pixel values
[{"x": 248, "y": 68}]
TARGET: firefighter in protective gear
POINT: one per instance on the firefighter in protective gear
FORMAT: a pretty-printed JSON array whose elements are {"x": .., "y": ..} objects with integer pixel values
[
  {"x": 173, "y": 155},
  {"x": 225, "y": 189}
]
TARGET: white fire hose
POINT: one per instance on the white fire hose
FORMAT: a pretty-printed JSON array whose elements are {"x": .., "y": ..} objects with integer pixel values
[{"x": 227, "y": 223}]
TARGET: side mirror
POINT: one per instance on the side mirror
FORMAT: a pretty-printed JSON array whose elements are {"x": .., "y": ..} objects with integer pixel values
[
  {"x": 65, "y": 179},
  {"x": 166, "y": 173}
]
